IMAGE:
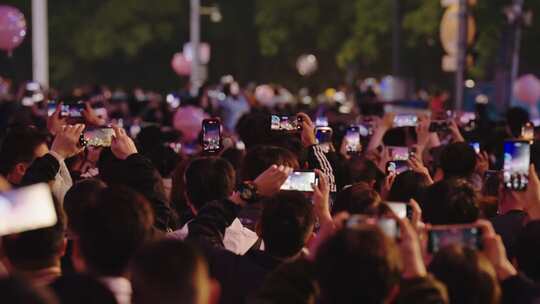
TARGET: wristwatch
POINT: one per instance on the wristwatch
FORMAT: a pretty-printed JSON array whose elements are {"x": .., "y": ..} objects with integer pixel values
[{"x": 248, "y": 192}]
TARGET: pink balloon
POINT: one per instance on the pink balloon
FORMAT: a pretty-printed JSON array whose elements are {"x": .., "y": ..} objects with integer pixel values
[
  {"x": 12, "y": 28},
  {"x": 527, "y": 89},
  {"x": 181, "y": 65},
  {"x": 188, "y": 120}
]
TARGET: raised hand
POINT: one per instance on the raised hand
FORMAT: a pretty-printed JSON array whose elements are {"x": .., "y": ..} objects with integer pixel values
[
  {"x": 122, "y": 145},
  {"x": 308, "y": 130},
  {"x": 321, "y": 197},
  {"x": 56, "y": 122},
  {"x": 269, "y": 182},
  {"x": 66, "y": 141}
]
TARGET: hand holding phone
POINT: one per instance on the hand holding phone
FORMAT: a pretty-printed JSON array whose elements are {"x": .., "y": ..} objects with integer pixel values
[
  {"x": 300, "y": 181},
  {"x": 447, "y": 235},
  {"x": 285, "y": 123},
  {"x": 211, "y": 138},
  {"x": 405, "y": 120},
  {"x": 99, "y": 137},
  {"x": 352, "y": 140},
  {"x": 517, "y": 158},
  {"x": 397, "y": 167},
  {"x": 324, "y": 137}
]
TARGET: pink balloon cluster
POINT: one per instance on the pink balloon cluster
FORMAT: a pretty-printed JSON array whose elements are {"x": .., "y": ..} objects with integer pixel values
[
  {"x": 12, "y": 28},
  {"x": 527, "y": 89},
  {"x": 181, "y": 65},
  {"x": 188, "y": 120}
]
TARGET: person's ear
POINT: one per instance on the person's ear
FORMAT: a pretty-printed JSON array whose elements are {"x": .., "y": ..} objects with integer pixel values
[{"x": 215, "y": 292}]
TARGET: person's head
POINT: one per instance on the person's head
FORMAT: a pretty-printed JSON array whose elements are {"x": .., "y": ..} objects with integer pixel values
[
  {"x": 516, "y": 117},
  {"x": 17, "y": 290},
  {"x": 112, "y": 230},
  {"x": 358, "y": 198},
  {"x": 286, "y": 223},
  {"x": 208, "y": 179},
  {"x": 20, "y": 147},
  {"x": 457, "y": 160},
  {"x": 358, "y": 265},
  {"x": 365, "y": 170},
  {"x": 82, "y": 289},
  {"x": 528, "y": 250},
  {"x": 468, "y": 275},
  {"x": 170, "y": 271},
  {"x": 452, "y": 201},
  {"x": 34, "y": 250},
  {"x": 79, "y": 197},
  {"x": 407, "y": 185},
  {"x": 260, "y": 158}
]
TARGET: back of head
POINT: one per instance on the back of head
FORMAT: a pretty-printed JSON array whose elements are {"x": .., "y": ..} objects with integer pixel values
[
  {"x": 286, "y": 223},
  {"x": 452, "y": 201},
  {"x": 457, "y": 160},
  {"x": 359, "y": 198},
  {"x": 364, "y": 170},
  {"x": 516, "y": 117},
  {"x": 36, "y": 249},
  {"x": 169, "y": 271},
  {"x": 407, "y": 185},
  {"x": 261, "y": 158},
  {"x": 113, "y": 229},
  {"x": 208, "y": 179},
  {"x": 78, "y": 198},
  {"x": 528, "y": 250},
  {"x": 468, "y": 275},
  {"x": 359, "y": 265},
  {"x": 19, "y": 146},
  {"x": 82, "y": 289},
  {"x": 17, "y": 290}
]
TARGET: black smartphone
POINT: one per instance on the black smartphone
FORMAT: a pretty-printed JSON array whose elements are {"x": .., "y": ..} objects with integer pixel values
[
  {"x": 405, "y": 120},
  {"x": 397, "y": 167},
  {"x": 324, "y": 137},
  {"x": 71, "y": 110},
  {"x": 446, "y": 235},
  {"x": 517, "y": 158},
  {"x": 211, "y": 135},
  {"x": 99, "y": 137},
  {"x": 401, "y": 209},
  {"x": 352, "y": 140},
  {"x": 389, "y": 226},
  {"x": 300, "y": 181},
  {"x": 285, "y": 123},
  {"x": 439, "y": 126}
]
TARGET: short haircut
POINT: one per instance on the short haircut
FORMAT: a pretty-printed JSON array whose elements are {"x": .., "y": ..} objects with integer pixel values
[
  {"x": 358, "y": 265},
  {"x": 19, "y": 146},
  {"x": 260, "y": 158},
  {"x": 468, "y": 275},
  {"x": 165, "y": 272},
  {"x": 208, "y": 179},
  {"x": 79, "y": 197},
  {"x": 17, "y": 290},
  {"x": 82, "y": 289},
  {"x": 408, "y": 185},
  {"x": 452, "y": 201},
  {"x": 528, "y": 250},
  {"x": 287, "y": 219},
  {"x": 457, "y": 160},
  {"x": 113, "y": 229},
  {"x": 358, "y": 198},
  {"x": 36, "y": 249}
]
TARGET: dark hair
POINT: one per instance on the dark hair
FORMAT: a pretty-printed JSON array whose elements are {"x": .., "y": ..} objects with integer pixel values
[
  {"x": 516, "y": 117},
  {"x": 165, "y": 272},
  {"x": 82, "y": 289},
  {"x": 39, "y": 248},
  {"x": 208, "y": 179},
  {"x": 451, "y": 201},
  {"x": 358, "y": 198},
  {"x": 113, "y": 229},
  {"x": 457, "y": 160},
  {"x": 19, "y": 146},
  {"x": 81, "y": 195},
  {"x": 260, "y": 158},
  {"x": 528, "y": 250},
  {"x": 364, "y": 170},
  {"x": 164, "y": 159},
  {"x": 407, "y": 185},
  {"x": 468, "y": 275},
  {"x": 16, "y": 290},
  {"x": 358, "y": 265},
  {"x": 287, "y": 219}
]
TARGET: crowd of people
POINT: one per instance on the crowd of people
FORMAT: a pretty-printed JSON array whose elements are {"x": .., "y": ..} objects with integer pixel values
[{"x": 149, "y": 216}]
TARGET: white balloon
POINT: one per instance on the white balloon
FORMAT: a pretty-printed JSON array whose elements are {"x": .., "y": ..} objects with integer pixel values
[
  {"x": 307, "y": 64},
  {"x": 265, "y": 95}
]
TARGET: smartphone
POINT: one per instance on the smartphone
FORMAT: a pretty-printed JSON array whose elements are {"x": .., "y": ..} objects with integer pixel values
[
  {"x": 401, "y": 209},
  {"x": 99, "y": 137},
  {"x": 527, "y": 131},
  {"x": 446, "y": 235},
  {"x": 211, "y": 136},
  {"x": 397, "y": 167},
  {"x": 405, "y": 120},
  {"x": 476, "y": 146},
  {"x": 439, "y": 126},
  {"x": 324, "y": 137},
  {"x": 389, "y": 226},
  {"x": 300, "y": 181},
  {"x": 399, "y": 153},
  {"x": 285, "y": 123},
  {"x": 517, "y": 158},
  {"x": 26, "y": 208},
  {"x": 352, "y": 140},
  {"x": 72, "y": 110}
]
